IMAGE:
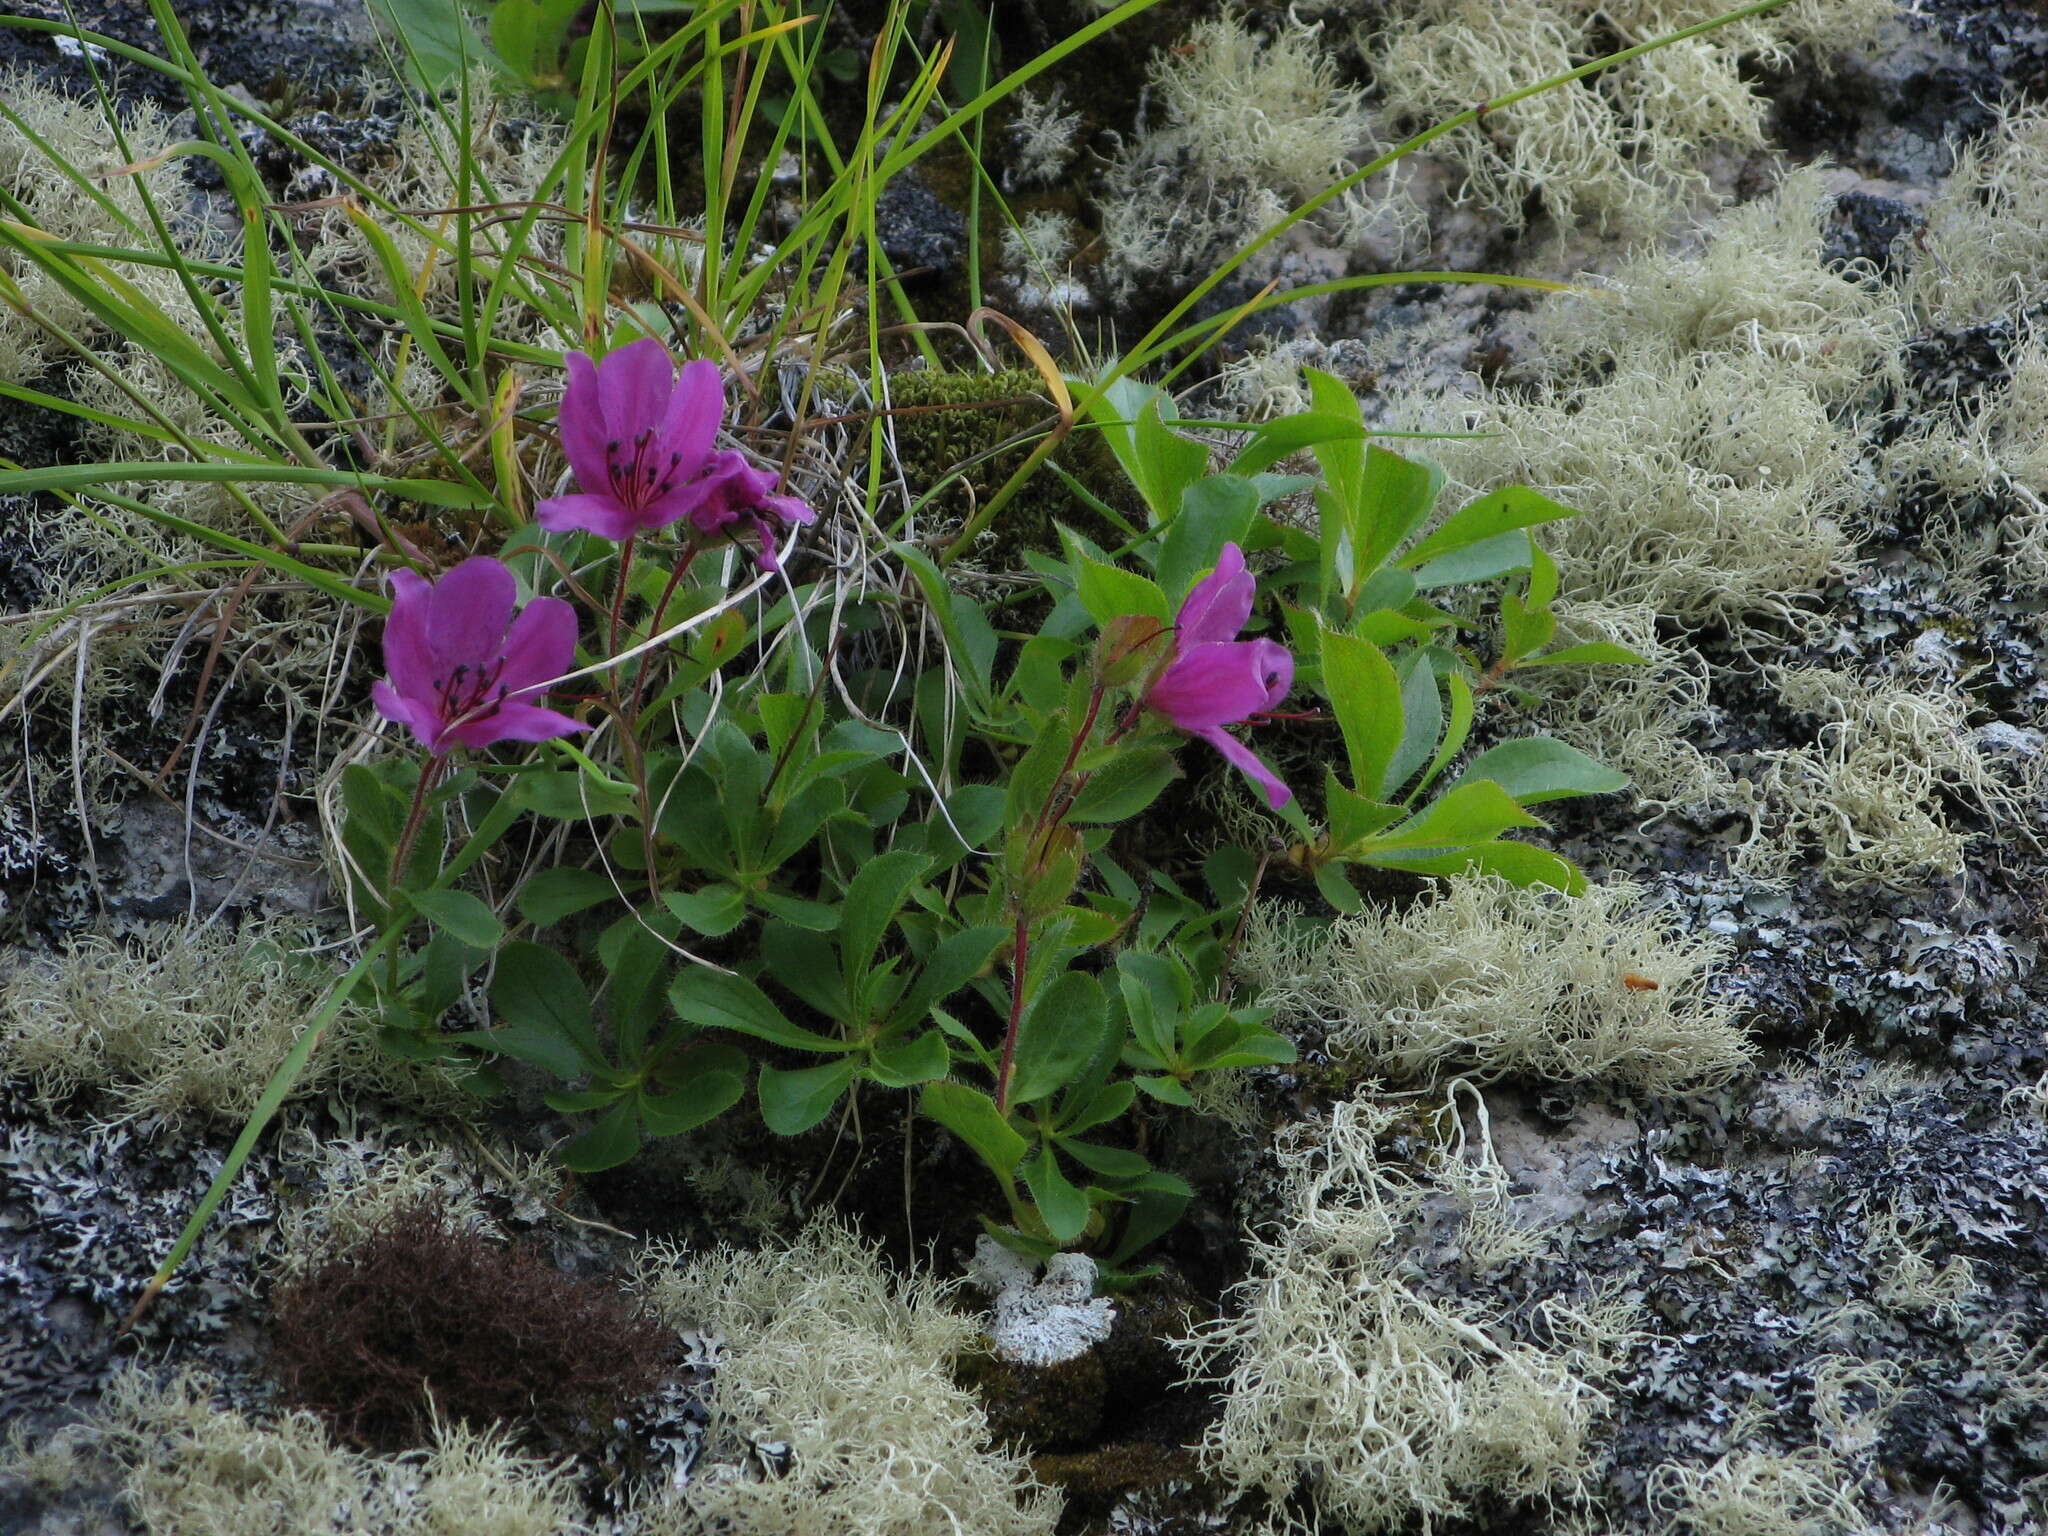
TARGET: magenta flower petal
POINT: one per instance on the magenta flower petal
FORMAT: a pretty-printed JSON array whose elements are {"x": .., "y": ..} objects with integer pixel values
[
  {"x": 406, "y": 654},
  {"x": 399, "y": 710},
  {"x": 635, "y": 382},
  {"x": 514, "y": 722},
  {"x": 600, "y": 515},
  {"x": 1215, "y": 679},
  {"x": 791, "y": 509},
  {"x": 1218, "y": 604},
  {"x": 469, "y": 610},
  {"x": 1275, "y": 663},
  {"x": 1215, "y": 684},
  {"x": 582, "y": 421},
  {"x": 696, "y": 405},
  {"x": 459, "y": 660},
  {"x": 540, "y": 646},
  {"x": 1240, "y": 756}
]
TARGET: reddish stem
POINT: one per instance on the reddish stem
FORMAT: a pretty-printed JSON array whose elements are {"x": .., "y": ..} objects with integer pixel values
[
  {"x": 668, "y": 592},
  {"x": 1020, "y": 960},
  {"x": 430, "y": 775},
  {"x": 619, "y": 591}
]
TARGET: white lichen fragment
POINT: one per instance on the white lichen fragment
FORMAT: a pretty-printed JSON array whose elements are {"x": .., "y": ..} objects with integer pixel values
[
  {"x": 1868, "y": 795},
  {"x": 1757, "y": 1493},
  {"x": 1692, "y": 417},
  {"x": 190, "y": 1022},
  {"x": 845, "y": 1371},
  {"x": 74, "y": 186},
  {"x": 1041, "y": 1321},
  {"x": 1042, "y": 138},
  {"x": 1252, "y": 126},
  {"x": 1622, "y": 148},
  {"x": 1384, "y": 1405},
  {"x": 1984, "y": 249},
  {"x": 1497, "y": 981},
  {"x": 187, "y": 1466}
]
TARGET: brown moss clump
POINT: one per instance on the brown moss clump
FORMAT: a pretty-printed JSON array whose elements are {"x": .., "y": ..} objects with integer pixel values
[{"x": 423, "y": 1320}]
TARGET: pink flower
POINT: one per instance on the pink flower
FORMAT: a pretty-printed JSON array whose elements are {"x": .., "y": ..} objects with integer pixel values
[
  {"x": 740, "y": 501},
  {"x": 462, "y": 666},
  {"x": 1216, "y": 679},
  {"x": 639, "y": 438}
]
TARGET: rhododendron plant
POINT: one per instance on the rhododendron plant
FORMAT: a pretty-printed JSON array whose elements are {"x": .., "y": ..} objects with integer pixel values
[
  {"x": 463, "y": 670},
  {"x": 1215, "y": 679}
]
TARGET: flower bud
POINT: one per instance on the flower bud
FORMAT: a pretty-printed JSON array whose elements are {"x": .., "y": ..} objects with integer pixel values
[{"x": 1127, "y": 649}]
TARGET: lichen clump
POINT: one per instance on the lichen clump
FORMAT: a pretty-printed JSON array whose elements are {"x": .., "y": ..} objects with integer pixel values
[
  {"x": 188, "y": 1022},
  {"x": 1378, "y": 1401},
  {"x": 1497, "y": 981},
  {"x": 180, "y": 1463},
  {"x": 849, "y": 1370},
  {"x": 1622, "y": 148}
]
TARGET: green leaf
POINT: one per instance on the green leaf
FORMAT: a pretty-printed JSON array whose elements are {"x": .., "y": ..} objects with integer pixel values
[
  {"x": 1274, "y": 440},
  {"x": 1365, "y": 695},
  {"x": 1166, "y": 1090},
  {"x": 582, "y": 1101},
  {"x": 1454, "y": 736},
  {"x": 940, "y": 602},
  {"x": 713, "y": 910},
  {"x": 920, "y": 1060},
  {"x": 1485, "y": 561},
  {"x": 550, "y": 895},
  {"x": 1109, "y": 592},
  {"x": 1110, "y": 1102},
  {"x": 1258, "y": 1047},
  {"x": 1537, "y": 768},
  {"x": 971, "y": 1115},
  {"x": 1498, "y": 512},
  {"x": 715, "y": 1000},
  {"x": 1590, "y": 654},
  {"x": 1395, "y": 494},
  {"x": 538, "y": 991},
  {"x": 1131, "y": 781},
  {"x": 1422, "y": 713},
  {"x": 1110, "y": 1162},
  {"x": 1353, "y": 818},
  {"x": 1063, "y": 1208},
  {"x": 533, "y": 1044},
  {"x": 610, "y": 1142},
  {"x": 1214, "y": 511},
  {"x": 1061, "y": 1029},
  {"x": 1385, "y": 590},
  {"x": 814, "y": 916},
  {"x": 515, "y": 34},
  {"x": 1156, "y": 993},
  {"x": 1517, "y": 863},
  {"x": 570, "y": 796},
  {"x": 1160, "y": 462},
  {"x": 1155, "y": 1207},
  {"x": 954, "y": 961},
  {"x": 793, "y": 1102},
  {"x": 1338, "y": 890},
  {"x": 716, "y": 1080},
  {"x": 873, "y": 899},
  {"x": 1473, "y": 812},
  {"x": 800, "y": 963}
]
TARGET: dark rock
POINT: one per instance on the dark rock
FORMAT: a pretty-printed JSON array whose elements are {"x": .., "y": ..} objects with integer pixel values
[
  {"x": 918, "y": 230},
  {"x": 277, "y": 50},
  {"x": 1865, "y": 226}
]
